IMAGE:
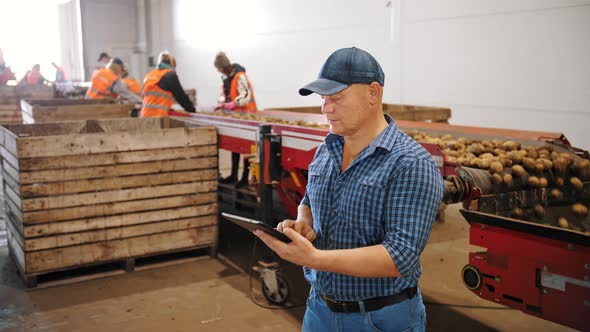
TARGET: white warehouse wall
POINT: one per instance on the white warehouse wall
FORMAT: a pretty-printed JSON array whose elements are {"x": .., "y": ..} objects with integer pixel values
[{"x": 520, "y": 64}]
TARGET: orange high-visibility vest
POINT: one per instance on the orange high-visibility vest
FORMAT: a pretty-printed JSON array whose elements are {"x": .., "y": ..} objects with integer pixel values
[
  {"x": 233, "y": 94},
  {"x": 102, "y": 80},
  {"x": 132, "y": 84},
  {"x": 156, "y": 102}
]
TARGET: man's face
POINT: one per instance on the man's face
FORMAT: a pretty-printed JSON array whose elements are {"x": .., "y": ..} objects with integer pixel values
[{"x": 347, "y": 110}]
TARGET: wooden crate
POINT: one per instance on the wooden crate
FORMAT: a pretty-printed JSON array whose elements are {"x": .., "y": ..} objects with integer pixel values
[
  {"x": 418, "y": 113},
  {"x": 10, "y": 113},
  {"x": 86, "y": 192},
  {"x": 10, "y": 96},
  {"x": 398, "y": 112},
  {"x": 59, "y": 110}
]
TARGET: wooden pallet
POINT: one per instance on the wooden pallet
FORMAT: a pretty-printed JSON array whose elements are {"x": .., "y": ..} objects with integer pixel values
[
  {"x": 59, "y": 110},
  {"x": 114, "y": 268},
  {"x": 397, "y": 112},
  {"x": 85, "y": 192}
]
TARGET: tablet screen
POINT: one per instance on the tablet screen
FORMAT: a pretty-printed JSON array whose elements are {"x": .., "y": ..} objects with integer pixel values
[{"x": 252, "y": 225}]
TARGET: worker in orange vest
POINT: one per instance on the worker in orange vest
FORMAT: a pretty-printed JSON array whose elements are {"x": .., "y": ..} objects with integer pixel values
[
  {"x": 106, "y": 83},
  {"x": 161, "y": 89},
  {"x": 237, "y": 94},
  {"x": 33, "y": 77},
  {"x": 133, "y": 84}
]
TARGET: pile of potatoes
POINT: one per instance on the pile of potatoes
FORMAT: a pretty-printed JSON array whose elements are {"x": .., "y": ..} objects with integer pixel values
[
  {"x": 514, "y": 167},
  {"x": 266, "y": 119}
]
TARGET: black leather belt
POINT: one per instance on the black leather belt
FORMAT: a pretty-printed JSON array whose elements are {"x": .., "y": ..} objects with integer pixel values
[{"x": 373, "y": 304}]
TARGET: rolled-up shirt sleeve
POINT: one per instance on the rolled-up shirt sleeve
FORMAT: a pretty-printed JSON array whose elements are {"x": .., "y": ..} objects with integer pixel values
[{"x": 411, "y": 207}]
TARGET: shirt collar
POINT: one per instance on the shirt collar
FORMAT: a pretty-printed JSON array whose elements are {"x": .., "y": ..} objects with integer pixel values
[{"x": 385, "y": 139}]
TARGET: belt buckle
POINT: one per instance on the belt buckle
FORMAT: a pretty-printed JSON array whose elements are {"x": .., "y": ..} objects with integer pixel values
[{"x": 336, "y": 302}]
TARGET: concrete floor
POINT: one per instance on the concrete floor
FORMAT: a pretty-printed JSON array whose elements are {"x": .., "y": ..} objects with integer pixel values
[{"x": 207, "y": 294}]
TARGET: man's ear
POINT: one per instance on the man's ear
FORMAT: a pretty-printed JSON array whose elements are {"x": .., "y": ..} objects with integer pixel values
[{"x": 375, "y": 93}]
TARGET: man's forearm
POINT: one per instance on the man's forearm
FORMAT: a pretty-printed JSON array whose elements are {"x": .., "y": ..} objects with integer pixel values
[{"x": 367, "y": 262}]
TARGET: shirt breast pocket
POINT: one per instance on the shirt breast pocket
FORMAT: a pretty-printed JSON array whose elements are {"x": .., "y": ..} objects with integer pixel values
[{"x": 369, "y": 209}]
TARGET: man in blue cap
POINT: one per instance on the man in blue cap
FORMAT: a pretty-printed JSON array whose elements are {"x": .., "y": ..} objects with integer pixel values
[{"x": 370, "y": 202}]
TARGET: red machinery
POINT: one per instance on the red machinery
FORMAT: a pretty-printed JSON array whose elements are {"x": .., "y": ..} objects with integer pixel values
[{"x": 534, "y": 267}]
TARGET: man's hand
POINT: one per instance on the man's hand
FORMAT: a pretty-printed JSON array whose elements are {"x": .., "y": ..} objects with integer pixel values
[
  {"x": 300, "y": 251},
  {"x": 301, "y": 227}
]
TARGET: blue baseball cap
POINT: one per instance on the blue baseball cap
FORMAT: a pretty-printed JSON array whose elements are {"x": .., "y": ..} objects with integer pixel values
[{"x": 343, "y": 68}]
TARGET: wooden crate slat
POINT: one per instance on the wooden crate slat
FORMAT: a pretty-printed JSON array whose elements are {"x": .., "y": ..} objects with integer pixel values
[
  {"x": 76, "y": 144},
  {"x": 58, "y": 202},
  {"x": 73, "y": 226},
  {"x": 53, "y": 259},
  {"x": 114, "y": 158},
  {"x": 126, "y": 182},
  {"x": 116, "y": 170},
  {"x": 116, "y": 208},
  {"x": 110, "y": 234}
]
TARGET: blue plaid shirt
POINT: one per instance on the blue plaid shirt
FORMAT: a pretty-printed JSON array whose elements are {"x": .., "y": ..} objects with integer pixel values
[{"x": 389, "y": 195}]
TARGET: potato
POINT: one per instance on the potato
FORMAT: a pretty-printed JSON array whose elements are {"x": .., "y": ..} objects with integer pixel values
[
  {"x": 532, "y": 153},
  {"x": 499, "y": 152},
  {"x": 539, "y": 167},
  {"x": 556, "y": 194},
  {"x": 496, "y": 167},
  {"x": 582, "y": 168},
  {"x": 446, "y": 137},
  {"x": 486, "y": 155},
  {"x": 515, "y": 156},
  {"x": 484, "y": 163},
  {"x": 506, "y": 162},
  {"x": 562, "y": 222},
  {"x": 476, "y": 148},
  {"x": 580, "y": 210},
  {"x": 507, "y": 178},
  {"x": 510, "y": 145},
  {"x": 576, "y": 183},
  {"x": 543, "y": 183},
  {"x": 517, "y": 213},
  {"x": 560, "y": 165},
  {"x": 529, "y": 164},
  {"x": 548, "y": 164},
  {"x": 496, "y": 178},
  {"x": 539, "y": 211},
  {"x": 559, "y": 181},
  {"x": 554, "y": 155},
  {"x": 518, "y": 171},
  {"x": 568, "y": 157},
  {"x": 533, "y": 181}
]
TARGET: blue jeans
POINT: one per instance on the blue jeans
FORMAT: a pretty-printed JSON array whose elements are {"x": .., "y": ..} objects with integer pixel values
[{"x": 408, "y": 315}]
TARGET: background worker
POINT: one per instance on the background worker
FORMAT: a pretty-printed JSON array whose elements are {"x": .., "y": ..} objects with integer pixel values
[
  {"x": 60, "y": 73},
  {"x": 237, "y": 94},
  {"x": 162, "y": 88},
  {"x": 107, "y": 84},
  {"x": 5, "y": 73},
  {"x": 33, "y": 77},
  {"x": 103, "y": 59},
  {"x": 133, "y": 84}
]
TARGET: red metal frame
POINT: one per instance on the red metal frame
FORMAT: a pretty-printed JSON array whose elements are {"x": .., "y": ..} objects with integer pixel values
[{"x": 512, "y": 267}]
